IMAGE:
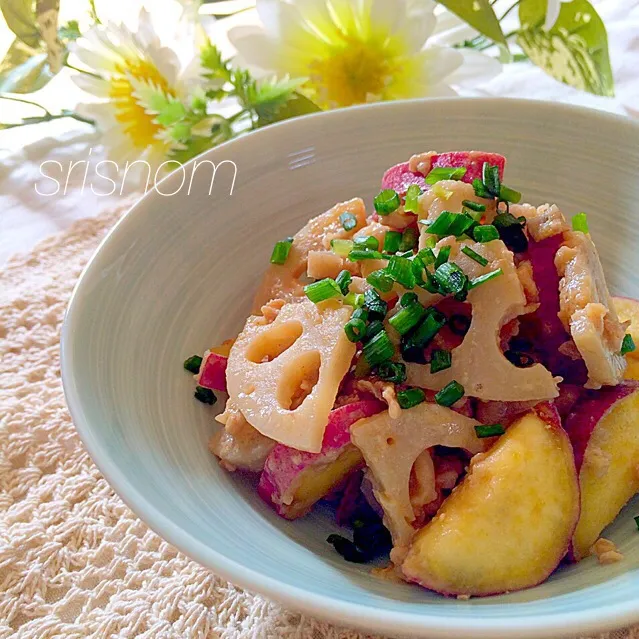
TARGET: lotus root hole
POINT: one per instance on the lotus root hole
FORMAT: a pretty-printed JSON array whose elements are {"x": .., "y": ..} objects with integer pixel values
[
  {"x": 274, "y": 341},
  {"x": 298, "y": 379}
]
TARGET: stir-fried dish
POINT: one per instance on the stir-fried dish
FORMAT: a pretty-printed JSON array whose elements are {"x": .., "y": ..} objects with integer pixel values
[{"x": 449, "y": 370}]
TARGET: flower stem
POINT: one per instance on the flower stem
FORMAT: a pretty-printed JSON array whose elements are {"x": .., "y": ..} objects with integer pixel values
[
  {"x": 47, "y": 117},
  {"x": 93, "y": 13},
  {"x": 23, "y": 101},
  {"x": 84, "y": 71},
  {"x": 509, "y": 10}
]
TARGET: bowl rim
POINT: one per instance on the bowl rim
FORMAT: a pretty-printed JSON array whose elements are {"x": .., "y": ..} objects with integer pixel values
[{"x": 332, "y": 609}]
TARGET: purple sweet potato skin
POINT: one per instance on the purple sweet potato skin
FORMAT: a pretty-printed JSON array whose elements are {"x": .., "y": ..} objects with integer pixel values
[
  {"x": 284, "y": 464},
  {"x": 544, "y": 327},
  {"x": 588, "y": 412},
  {"x": 400, "y": 177},
  {"x": 213, "y": 372}
]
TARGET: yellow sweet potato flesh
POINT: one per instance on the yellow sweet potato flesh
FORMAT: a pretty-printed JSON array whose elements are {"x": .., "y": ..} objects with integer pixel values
[
  {"x": 316, "y": 482},
  {"x": 632, "y": 370},
  {"x": 609, "y": 475},
  {"x": 509, "y": 523}
]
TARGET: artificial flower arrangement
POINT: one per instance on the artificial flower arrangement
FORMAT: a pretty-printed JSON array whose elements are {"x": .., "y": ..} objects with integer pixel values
[{"x": 153, "y": 103}]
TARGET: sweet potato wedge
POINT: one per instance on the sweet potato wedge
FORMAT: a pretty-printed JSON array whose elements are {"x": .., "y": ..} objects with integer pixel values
[
  {"x": 292, "y": 480},
  {"x": 509, "y": 523},
  {"x": 604, "y": 430}
]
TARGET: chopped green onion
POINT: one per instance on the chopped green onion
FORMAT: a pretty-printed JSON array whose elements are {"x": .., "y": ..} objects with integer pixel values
[
  {"x": 580, "y": 223},
  {"x": 322, "y": 290},
  {"x": 461, "y": 224},
  {"x": 427, "y": 330},
  {"x": 343, "y": 280},
  {"x": 427, "y": 256},
  {"x": 505, "y": 220},
  {"x": 354, "y": 299},
  {"x": 628, "y": 344},
  {"x": 430, "y": 284},
  {"x": 378, "y": 349},
  {"x": 355, "y": 329},
  {"x": 474, "y": 206},
  {"x": 473, "y": 255},
  {"x": 490, "y": 175},
  {"x": 392, "y": 240},
  {"x": 386, "y": 201},
  {"x": 489, "y": 430},
  {"x": 511, "y": 231},
  {"x": 485, "y": 233},
  {"x": 637, "y": 521},
  {"x": 409, "y": 240},
  {"x": 430, "y": 242},
  {"x": 442, "y": 256},
  {"x": 440, "y": 360},
  {"x": 380, "y": 280},
  {"x": 419, "y": 269},
  {"x": 341, "y": 247},
  {"x": 348, "y": 221},
  {"x": 407, "y": 318},
  {"x": 441, "y": 225},
  {"x": 391, "y": 372},
  {"x": 400, "y": 269},
  {"x": 484, "y": 278},
  {"x": 205, "y": 395},
  {"x": 360, "y": 313},
  {"x": 357, "y": 255},
  {"x": 347, "y": 549},
  {"x": 373, "y": 328},
  {"x": 193, "y": 363},
  {"x": 480, "y": 189},
  {"x": 507, "y": 194},
  {"x": 407, "y": 299},
  {"x": 411, "y": 204},
  {"x": 451, "y": 279},
  {"x": 445, "y": 173},
  {"x": 281, "y": 251},
  {"x": 366, "y": 242},
  {"x": 450, "y": 394},
  {"x": 410, "y": 397},
  {"x": 376, "y": 306}
]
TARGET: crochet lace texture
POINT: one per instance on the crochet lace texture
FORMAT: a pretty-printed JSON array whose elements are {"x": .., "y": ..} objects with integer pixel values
[{"x": 74, "y": 560}]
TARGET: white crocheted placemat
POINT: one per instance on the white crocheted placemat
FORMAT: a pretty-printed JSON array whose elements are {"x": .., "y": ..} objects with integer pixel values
[{"x": 74, "y": 560}]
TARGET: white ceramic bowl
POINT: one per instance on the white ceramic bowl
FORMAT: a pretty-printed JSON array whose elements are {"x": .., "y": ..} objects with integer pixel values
[{"x": 176, "y": 275}]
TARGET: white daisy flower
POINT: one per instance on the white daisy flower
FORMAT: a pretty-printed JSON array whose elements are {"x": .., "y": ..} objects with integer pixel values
[
  {"x": 355, "y": 51},
  {"x": 133, "y": 75}
]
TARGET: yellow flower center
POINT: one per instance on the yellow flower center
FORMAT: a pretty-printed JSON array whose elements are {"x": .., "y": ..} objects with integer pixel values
[
  {"x": 350, "y": 74},
  {"x": 137, "y": 123}
]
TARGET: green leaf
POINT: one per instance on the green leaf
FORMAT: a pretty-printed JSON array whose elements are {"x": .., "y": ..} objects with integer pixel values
[
  {"x": 21, "y": 72},
  {"x": 480, "y": 15},
  {"x": 574, "y": 51},
  {"x": 215, "y": 67},
  {"x": 172, "y": 112},
  {"x": 21, "y": 19},
  {"x": 70, "y": 30},
  {"x": 220, "y": 131},
  {"x": 296, "y": 105}
]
